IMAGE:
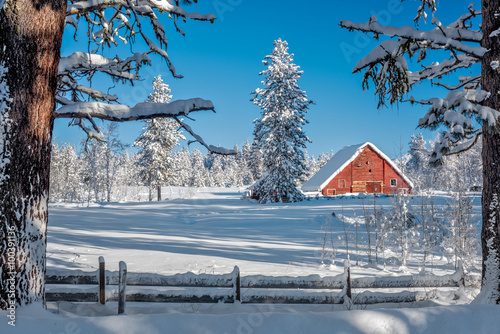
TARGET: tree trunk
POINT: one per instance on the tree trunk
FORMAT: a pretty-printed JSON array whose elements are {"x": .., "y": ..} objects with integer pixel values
[
  {"x": 159, "y": 192},
  {"x": 30, "y": 42},
  {"x": 490, "y": 234}
]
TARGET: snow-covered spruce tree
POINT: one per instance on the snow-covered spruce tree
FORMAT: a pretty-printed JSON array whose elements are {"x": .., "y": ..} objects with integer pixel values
[
  {"x": 34, "y": 78},
  {"x": 65, "y": 167},
  {"x": 182, "y": 168},
  {"x": 462, "y": 44},
  {"x": 417, "y": 165},
  {"x": 113, "y": 148},
  {"x": 279, "y": 131},
  {"x": 93, "y": 171},
  {"x": 199, "y": 173},
  {"x": 217, "y": 173},
  {"x": 158, "y": 138}
]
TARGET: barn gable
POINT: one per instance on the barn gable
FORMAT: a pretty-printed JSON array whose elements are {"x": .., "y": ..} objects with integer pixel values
[{"x": 339, "y": 175}]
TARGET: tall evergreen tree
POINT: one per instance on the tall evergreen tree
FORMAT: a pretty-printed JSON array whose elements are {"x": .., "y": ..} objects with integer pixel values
[
  {"x": 182, "y": 168},
  {"x": 217, "y": 173},
  {"x": 417, "y": 165},
  {"x": 279, "y": 131},
  {"x": 199, "y": 173},
  {"x": 157, "y": 141},
  {"x": 112, "y": 148}
]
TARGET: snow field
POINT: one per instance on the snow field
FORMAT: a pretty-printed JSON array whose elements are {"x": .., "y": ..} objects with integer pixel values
[{"x": 212, "y": 230}]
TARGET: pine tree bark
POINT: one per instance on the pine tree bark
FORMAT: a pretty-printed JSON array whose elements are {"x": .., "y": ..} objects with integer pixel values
[
  {"x": 490, "y": 233},
  {"x": 30, "y": 42},
  {"x": 158, "y": 190}
]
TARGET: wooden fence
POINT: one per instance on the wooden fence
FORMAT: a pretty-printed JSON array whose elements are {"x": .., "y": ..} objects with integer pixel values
[{"x": 101, "y": 286}]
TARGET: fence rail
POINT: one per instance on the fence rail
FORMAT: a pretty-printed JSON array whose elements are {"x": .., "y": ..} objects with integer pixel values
[{"x": 102, "y": 285}]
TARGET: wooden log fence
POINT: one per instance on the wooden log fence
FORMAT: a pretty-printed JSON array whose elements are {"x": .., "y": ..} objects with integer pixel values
[{"x": 122, "y": 287}]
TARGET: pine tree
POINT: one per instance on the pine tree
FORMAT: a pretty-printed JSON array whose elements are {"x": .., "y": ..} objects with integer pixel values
[
  {"x": 112, "y": 149},
  {"x": 199, "y": 174},
  {"x": 182, "y": 168},
  {"x": 418, "y": 152},
  {"x": 279, "y": 131},
  {"x": 157, "y": 141},
  {"x": 417, "y": 165},
  {"x": 70, "y": 175},
  {"x": 93, "y": 169},
  {"x": 216, "y": 172}
]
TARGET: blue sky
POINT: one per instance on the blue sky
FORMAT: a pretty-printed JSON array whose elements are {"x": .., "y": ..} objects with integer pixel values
[{"x": 221, "y": 62}]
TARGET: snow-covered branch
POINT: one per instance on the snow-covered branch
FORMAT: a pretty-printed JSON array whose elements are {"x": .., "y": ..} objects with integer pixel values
[
  {"x": 147, "y": 110},
  {"x": 465, "y": 81},
  {"x": 448, "y": 144},
  {"x": 112, "y": 21},
  {"x": 447, "y": 66},
  {"x": 116, "y": 67},
  {"x": 198, "y": 139},
  {"x": 455, "y": 112},
  {"x": 441, "y": 36},
  {"x": 81, "y": 64},
  {"x": 387, "y": 64},
  {"x": 122, "y": 113},
  {"x": 456, "y": 109},
  {"x": 88, "y": 6}
]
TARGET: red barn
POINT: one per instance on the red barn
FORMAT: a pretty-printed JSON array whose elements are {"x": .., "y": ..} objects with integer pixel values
[{"x": 359, "y": 168}]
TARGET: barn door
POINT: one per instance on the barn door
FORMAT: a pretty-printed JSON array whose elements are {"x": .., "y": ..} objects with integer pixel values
[
  {"x": 374, "y": 187},
  {"x": 359, "y": 187}
]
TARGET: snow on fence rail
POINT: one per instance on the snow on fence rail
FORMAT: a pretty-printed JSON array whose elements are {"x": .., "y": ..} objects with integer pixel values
[{"x": 102, "y": 286}]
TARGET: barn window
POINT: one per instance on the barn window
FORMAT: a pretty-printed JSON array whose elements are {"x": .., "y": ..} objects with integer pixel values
[
  {"x": 341, "y": 183},
  {"x": 368, "y": 162},
  {"x": 394, "y": 183}
]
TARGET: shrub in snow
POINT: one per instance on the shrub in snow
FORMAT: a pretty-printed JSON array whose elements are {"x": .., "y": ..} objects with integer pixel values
[{"x": 460, "y": 242}]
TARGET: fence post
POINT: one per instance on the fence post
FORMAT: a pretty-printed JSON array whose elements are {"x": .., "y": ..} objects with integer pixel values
[
  {"x": 347, "y": 274},
  {"x": 102, "y": 281},
  {"x": 122, "y": 283},
  {"x": 236, "y": 284}
]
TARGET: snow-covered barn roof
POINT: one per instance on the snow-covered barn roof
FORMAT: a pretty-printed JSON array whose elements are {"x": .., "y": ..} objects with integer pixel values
[{"x": 341, "y": 160}]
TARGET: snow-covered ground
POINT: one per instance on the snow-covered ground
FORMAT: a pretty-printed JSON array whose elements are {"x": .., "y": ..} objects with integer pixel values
[
  {"x": 246, "y": 319},
  {"x": 211, "y": 231}
]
